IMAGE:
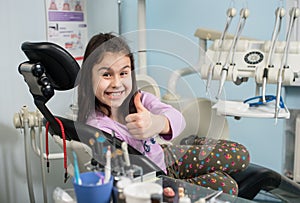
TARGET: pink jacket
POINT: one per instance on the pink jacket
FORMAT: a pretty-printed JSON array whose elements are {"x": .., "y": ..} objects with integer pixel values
[{"x": 155, "y": 106}]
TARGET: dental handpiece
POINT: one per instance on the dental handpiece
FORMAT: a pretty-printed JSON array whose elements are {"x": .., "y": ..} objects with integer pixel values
[
  {"x": 108, "y": 165},
  {"x": 222, "y": 80},
  {"x": 231, "y": 12},
  {"x": 124, "y": 147},
  {"x": 294, "y": 14},
  {"x": 278, "y": 94},
  {"x": 244, "y": 13},
  {"x": 280, "y": 13}
]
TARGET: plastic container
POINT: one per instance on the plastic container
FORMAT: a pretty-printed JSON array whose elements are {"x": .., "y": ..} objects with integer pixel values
[
  {"x": 141, "y": 192},
  {"x": 64, "y": 195},
  {"x": 90, "y": 192}
]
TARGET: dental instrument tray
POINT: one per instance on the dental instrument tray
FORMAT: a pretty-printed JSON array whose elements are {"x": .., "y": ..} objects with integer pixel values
[{"x": 252, "y": 110}]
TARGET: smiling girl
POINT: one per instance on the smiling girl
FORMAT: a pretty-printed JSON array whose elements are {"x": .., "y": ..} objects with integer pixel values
[{"x": 108, "y": 99}]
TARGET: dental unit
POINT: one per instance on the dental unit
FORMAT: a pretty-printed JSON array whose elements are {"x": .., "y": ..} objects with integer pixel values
[{"x": 274, "y": 62}]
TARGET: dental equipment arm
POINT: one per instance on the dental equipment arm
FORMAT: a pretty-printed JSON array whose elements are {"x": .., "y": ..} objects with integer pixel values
[
  {"x": 294, "y": 13},
  {"x": 280, "y": 12},
  {"x": 244, "y": 13},
  {"x": 142, "y": 38},
  {"x": 175, "y": 76},
  {"x": 231, "y": 12}
]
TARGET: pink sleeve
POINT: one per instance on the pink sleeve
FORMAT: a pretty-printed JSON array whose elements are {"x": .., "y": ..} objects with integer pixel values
[{"x": 155, "y": 106}]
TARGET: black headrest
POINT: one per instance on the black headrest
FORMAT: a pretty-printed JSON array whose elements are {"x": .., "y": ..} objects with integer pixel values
[{"x": 60, "y": 66}]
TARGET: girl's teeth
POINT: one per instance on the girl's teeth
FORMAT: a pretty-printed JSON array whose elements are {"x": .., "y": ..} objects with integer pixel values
[{"x": 115, "y": 94}]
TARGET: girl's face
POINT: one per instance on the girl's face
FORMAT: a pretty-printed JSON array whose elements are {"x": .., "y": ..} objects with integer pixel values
[{"x": 111, "y": 78}]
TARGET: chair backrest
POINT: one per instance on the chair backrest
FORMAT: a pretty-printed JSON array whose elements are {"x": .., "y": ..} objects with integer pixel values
[
  {"x": 201, "y": 119},
  {"x": 147, "y": 84}
]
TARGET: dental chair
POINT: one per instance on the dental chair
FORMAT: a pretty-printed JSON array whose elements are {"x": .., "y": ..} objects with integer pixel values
[{"x": 51, "y": 68}]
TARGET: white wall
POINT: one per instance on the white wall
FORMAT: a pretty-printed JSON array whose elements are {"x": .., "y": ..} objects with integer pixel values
[
  {"x": 102, "y": 16},
  {"x": 22, "y": 21}
]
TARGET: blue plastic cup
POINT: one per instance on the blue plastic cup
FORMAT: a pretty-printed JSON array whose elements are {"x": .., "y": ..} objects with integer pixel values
[{"x": 90, "y": 192}]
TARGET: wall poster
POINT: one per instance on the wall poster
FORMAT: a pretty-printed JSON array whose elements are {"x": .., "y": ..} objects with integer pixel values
[{"x": 67, "y": 25}]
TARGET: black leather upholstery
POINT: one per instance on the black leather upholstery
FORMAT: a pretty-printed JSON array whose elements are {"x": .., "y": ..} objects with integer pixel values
[
  {"x": 62, "y": 68},
  {"x": 256, "y": 178}
]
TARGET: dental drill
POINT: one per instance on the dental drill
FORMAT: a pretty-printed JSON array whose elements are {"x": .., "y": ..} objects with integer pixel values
[
  {"x": 294, "y": 13},
  {"x": 231, "y": 12},
  {"x": 280, "y": 13},
  {"x": 244, "y": 13}
]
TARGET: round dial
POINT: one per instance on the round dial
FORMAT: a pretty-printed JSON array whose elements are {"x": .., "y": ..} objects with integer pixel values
[{"x": 254, "y": 57}]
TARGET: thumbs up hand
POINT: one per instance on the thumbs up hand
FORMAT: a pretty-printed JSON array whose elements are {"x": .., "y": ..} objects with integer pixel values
[{"x": 144, "y": 124}]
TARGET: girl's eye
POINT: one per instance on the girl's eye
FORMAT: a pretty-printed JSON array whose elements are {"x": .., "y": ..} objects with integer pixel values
[
  {"x": 124, "y": 73},
  {"x": 106, "y": 75}
]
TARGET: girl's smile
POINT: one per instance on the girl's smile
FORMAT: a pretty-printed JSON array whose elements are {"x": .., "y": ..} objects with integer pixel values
[{"x": 115, "y": 95}]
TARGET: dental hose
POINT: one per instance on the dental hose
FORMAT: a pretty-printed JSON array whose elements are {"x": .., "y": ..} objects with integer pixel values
[
  {"x": 64, "y": 147},
  {"x": 28, "y": 160},
  {"x": 244, "y": 13},
  {"x": 294, "y": 13},
  {"x": 280, "y": 12},
  {"x": 264, "y": 83},
  {"x": 42, "y": 159},
  {"x": 231, "y": 12}
]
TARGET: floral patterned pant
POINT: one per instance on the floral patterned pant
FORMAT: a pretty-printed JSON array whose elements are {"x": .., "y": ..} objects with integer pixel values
[{"x": 207, "y": 162}]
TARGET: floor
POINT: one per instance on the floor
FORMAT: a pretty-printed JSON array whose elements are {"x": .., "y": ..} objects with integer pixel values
[{"x": 266, "y": 197}]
